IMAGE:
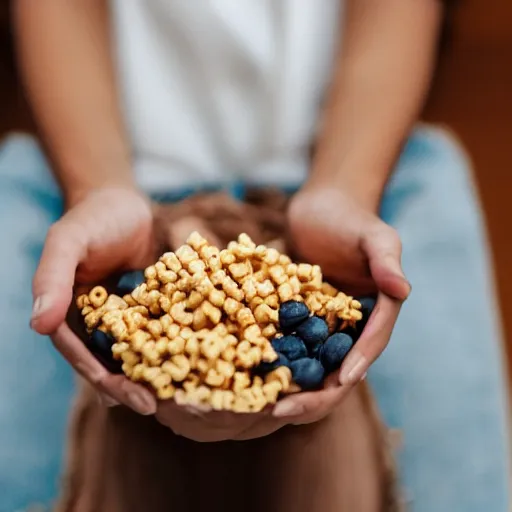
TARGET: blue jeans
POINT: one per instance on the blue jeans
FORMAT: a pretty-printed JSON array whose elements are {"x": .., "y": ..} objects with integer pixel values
[{"x": 441, "y": 380}]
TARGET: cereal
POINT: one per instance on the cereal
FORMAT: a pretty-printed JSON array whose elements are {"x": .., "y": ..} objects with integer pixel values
[{"x": 201, "y": 322}]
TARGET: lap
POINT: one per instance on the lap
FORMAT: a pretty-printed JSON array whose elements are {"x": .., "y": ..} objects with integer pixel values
[
  {"x": 36, "y": 385},
  {"x": 441, "y": 380}
]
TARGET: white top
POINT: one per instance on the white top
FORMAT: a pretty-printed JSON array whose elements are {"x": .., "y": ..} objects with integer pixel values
[{"x": 223, "y": 90}]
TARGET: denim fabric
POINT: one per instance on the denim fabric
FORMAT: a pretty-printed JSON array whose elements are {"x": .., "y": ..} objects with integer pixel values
[{"x": 441, "y": 381}]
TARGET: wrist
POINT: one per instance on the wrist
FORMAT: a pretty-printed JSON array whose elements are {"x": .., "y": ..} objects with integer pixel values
[
  {"x": 75, "y": 194},
  {"x": 363, "y": 188}
]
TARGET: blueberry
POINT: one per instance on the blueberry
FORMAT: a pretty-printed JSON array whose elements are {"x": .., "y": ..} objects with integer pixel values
[
  {"x": 291, "y": 314},
  {"x": 100, "y": 344},
  {"x": 314, "y": 330},
  {"x": 307, "y": 373},
  {"x": 290, "y": 346},
  {"x": 264, "y": 367},
  {"x": 334, "y": 351},
  {"x": 314, "y": 350},
  {"x": 129, "y": 281},
  {"x": 367, "y": 306}
]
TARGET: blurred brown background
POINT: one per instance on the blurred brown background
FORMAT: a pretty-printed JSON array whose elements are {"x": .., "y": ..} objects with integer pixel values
[{"x": 472, "y": 93}]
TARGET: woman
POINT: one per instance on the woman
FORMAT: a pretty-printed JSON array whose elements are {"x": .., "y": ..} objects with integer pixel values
[{"x": 237, "y": 92}]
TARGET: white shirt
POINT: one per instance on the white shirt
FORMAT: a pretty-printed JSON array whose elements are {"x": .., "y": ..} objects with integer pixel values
[{"x": 222, "y": 90}]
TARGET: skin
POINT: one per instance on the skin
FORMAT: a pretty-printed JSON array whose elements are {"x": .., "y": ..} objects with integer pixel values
[{"x": 378, "y": 87}]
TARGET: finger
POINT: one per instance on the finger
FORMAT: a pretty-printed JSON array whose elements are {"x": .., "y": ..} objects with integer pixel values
[
  {"x": 117, "y": 387},
  {"x": 373, "y": 340},
  {"x": 383, "y": 248},
  {"x": 181, "y": 229},
  {"x": 54, "y": 278},
  {"x": 311, "y": 403}
]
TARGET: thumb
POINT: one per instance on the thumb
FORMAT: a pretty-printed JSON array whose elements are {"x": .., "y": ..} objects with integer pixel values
[
  {"x": 53, "y": 282},
  {"x": 383, "y": 249}
]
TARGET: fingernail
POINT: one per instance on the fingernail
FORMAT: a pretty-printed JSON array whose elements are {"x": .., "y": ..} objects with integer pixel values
[
  {"x": 286, "y": 409},
  {"x": 354, "y": 369},
  {"x": 41, "y": 304},
  {"x": 364, "y": 376},
  {"x": 107, "y": 401},
  {"x": 139, "y": 404}
]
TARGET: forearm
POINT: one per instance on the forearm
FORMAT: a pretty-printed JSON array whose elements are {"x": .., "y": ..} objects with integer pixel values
[
  {"x": 380, "y": 82},
  {"x": 65, "y": 59}
]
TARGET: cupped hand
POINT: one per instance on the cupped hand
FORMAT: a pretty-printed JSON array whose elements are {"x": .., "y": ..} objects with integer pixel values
[
  {"x": 362, "y": 255},
  {"x": 108, "y": 230}
]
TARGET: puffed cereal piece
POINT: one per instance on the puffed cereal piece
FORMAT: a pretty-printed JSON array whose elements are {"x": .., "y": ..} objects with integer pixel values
[
  {"x": 278, "y": 274},
  {"x": 155, "y": 328},
  {"x": 253, "y": 334},
  {"x": 180, "y": 315},
  {"x": 232, "y": 290},
  {"x": 271, "y": 256},
  {"x": 173, "y": 331},
  {"x": 247, "y": 356},
  {"x": 162, "y": 345},
  {"x": 213, "y": 313},
  {"x": 225, "y": 368},
  {"x": 217, "y": 400},
  {"x": 98, "y": 296},
  {"x": 240, "y": 270},
  {"x": 227, "y": 257},
  {"x": 217, "y": 297},
  {"x": 282, "y": 374},
  {"x": 255, "y": 397},
  {"x": 152, "y": 284},
  {"x": 265, "y": 288},
  {"x": 197, "y": 267},
  {"x": 198, "y": 396},
  {"x": 166, "y": 392},
  {"x": 176, "y": 345},
  {"x": 153, "y": 299},
  {"x": 271, "y": 391},
  {"x": 161, "y": 381},
  {"x": 220, "y": 329},
  {"x": 196, "y": 241},
  {"x": 171, "y": 261},
  {"x": 150, "y": 352},
  {"x": 249, "y": 287},
  {"x": 82, "y": 301},
  {"x": 211, "y": 347},
  {"x": 273, "y": 301},
  {"x": 240, "y": 405},
  {"x": 150, "y": 272},
  {"x": 119, "y": 347},
  {"x": 194, "y": 300},
  {"x": 214, "y": 378},
  {"x": 269, "y": 331},
  {"x": 268, "y": 354},
  {"x": 232, "y": 307},
  {"x": 241, "y": 380},
  {"x": 200, "y": 321},
  {"x": 191, "y": 382},
  {"x": 245, "y": 317},
  {"x": 328, "y": 289},
  {"x": 138, "y": 339},
  {"x": 178, "y": 367},
  {"x": 192, "y": 347},
  {"x": 93, "y": 318},
  {"x": 264, "y": 314},
  {"x": 86, "y": 310},
  {"x": 229, "y": 354},
  {"x": 119, "y": 330},
  {"x": 186, "y": 255}
]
